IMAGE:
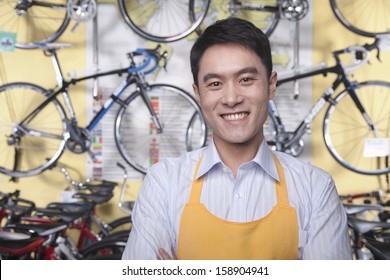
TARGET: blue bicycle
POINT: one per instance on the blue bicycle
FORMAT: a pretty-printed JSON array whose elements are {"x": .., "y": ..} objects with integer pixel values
[{"x": 154, "y": 121}]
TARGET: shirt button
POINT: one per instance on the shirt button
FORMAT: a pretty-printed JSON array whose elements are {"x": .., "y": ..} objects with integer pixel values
[{"x": 238, "y": 195}]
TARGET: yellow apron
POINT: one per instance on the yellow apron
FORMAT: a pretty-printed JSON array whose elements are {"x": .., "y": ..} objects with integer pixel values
[{"x": 204, "y": 236}]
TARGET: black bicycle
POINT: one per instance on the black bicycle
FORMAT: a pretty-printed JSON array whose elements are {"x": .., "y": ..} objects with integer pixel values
[{"x": 356, "y": 125}]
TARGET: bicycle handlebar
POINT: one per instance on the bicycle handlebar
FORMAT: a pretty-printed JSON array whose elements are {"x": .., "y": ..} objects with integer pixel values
[
  {"x": 150, "y": 55},
  {"x": 361, "y": 54}
]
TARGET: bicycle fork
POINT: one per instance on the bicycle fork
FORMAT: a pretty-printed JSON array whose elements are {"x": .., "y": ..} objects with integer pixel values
[
  {"x": 351, "y": 91},
  {"x": 152, "y": 112}
]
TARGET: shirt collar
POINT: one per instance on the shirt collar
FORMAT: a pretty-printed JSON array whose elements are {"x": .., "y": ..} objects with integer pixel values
[
  {"x": 209, "y": 160},
  {"x": 263, "y": 158}
]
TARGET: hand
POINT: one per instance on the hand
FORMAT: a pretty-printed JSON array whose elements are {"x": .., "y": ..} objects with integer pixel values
[{"x": 165, "y": 256}]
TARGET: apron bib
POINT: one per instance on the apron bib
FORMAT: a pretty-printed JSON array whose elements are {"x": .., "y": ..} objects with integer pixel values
[{"x": 204, "y": 236}]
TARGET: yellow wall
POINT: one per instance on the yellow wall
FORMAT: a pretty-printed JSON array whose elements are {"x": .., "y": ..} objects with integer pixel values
[{"x": 33, "y": 66}]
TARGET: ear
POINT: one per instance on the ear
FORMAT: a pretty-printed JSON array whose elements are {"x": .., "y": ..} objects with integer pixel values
[
  {"x": 272, "y": 85},
  {"x": 196, "y": 92}
]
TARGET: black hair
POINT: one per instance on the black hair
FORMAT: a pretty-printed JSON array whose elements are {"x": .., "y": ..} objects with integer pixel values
[{"x": 231, "y": 31}]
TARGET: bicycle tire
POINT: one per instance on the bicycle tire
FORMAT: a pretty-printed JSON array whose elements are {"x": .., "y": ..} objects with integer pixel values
[
  {"x": 365, "y": 18},
  {"x": 345, "y": 131},
  {"x": 136, "y": 137},
  {"x": 104, "y": 250},
  {"x": 119, "y": 235},
  {"x": 163, "y": 21},
  {"x": 265, "y": 14},
  {"x": 39, "y": 21},
  {"x": 37, "y": 152}
]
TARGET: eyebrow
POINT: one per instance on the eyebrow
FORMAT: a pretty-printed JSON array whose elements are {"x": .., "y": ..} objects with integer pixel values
[{"x": 245, "y": 70}]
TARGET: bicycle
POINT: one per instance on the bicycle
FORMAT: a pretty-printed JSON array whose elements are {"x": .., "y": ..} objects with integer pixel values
[
  {"x": 93, "y": 193},
  {"x": 370, "y": 238},
  {"x": 363, "y": 17},
  {"x": 356, "y": 122},
  {"x": 42, "y": 241},
  {"x": 153, "y": 121},
  {"x": 54, "y": 222},
  {"x": 45, "y": 21},
  {"x": 369, "y": 225},
  {"x": 368, "y": 220}
]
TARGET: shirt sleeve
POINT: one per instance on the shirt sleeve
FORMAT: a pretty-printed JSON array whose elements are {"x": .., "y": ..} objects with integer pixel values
[
  {"x": 328, "y": 237},
  {"x": 150, "y": 230}
]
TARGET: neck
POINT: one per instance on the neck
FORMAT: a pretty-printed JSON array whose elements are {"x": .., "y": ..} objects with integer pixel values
[{"x": 235, "y": 154}]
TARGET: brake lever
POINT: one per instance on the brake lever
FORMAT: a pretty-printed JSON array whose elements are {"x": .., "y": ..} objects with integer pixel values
[
  {"x": 164, "y": 57},
  {"x": 378, "y": 53}
]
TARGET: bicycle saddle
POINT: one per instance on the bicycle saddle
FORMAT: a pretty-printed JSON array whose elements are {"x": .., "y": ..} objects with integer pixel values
[
  {"x": 364, "y": 226},
  {"x": 103, "y": 186},
  {"x": 96, "y": 198},
  {"x": 40, "y": 230},
  {"x": 351, "y": 208},
  {"x": 59, "y": 214},
  {"x": 128, "y": 204},
  {"x": 71, "y": 207}
]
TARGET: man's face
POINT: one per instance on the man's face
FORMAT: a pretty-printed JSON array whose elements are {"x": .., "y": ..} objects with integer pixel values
[{"x": 233, "y": 93}]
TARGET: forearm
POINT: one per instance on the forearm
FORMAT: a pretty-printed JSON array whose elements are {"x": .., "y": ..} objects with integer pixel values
[{"x": 150, "y": 230}]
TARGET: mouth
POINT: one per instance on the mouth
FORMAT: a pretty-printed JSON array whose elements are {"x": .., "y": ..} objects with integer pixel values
[{"x": 235, "y": 116}]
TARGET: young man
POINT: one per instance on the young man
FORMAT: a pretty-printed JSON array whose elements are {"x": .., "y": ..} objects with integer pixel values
[{"x": 236, "y": 199}]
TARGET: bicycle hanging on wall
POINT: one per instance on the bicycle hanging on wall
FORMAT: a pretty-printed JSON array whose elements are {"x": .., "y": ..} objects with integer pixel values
[
  {"x": 356, "y": 125},
  {"x": 36, "y": 127}
]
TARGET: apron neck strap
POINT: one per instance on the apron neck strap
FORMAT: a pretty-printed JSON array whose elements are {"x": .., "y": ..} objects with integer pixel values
[
  {"x": 281, "y": 189},
  {"x": 197, "y": 184}
]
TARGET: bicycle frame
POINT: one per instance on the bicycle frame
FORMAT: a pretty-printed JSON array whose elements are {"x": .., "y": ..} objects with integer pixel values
[
  {"x": 133, "y": 77},
  {"x": 304, "y": 125}
]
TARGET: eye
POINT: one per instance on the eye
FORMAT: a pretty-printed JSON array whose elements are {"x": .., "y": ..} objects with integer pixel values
[
  {"x": 214, "y": 84},
  {"x": 246, "y": 80}
]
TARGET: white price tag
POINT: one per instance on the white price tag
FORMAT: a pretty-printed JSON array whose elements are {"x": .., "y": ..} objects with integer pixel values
[{"x": 376, "y": 147}]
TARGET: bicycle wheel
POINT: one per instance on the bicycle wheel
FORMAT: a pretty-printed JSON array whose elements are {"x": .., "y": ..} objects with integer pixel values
[
  {"x": 137, "y": 138},
  {"x": 162, "y": 20},
  {"x": 366, "y": 18},
  {"x": 265, "y": 14},
  {"x": 29, "y": 150},
  {"x": 347, "y": 135},
  {"x": 33, "y": 21}
]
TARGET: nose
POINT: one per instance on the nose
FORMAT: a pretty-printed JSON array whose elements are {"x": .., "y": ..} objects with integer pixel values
[{"x": 232, "y": 96}]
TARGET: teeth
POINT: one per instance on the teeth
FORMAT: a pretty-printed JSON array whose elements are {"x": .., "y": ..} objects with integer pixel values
[{"x": 235, "y": 117}]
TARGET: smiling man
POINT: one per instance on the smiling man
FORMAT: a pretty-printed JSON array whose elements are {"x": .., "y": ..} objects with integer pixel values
[{"x": 236, "y": 199}]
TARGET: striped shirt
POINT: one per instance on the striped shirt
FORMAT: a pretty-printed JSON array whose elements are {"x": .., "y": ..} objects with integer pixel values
[{"x": 323, "y": 231}]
